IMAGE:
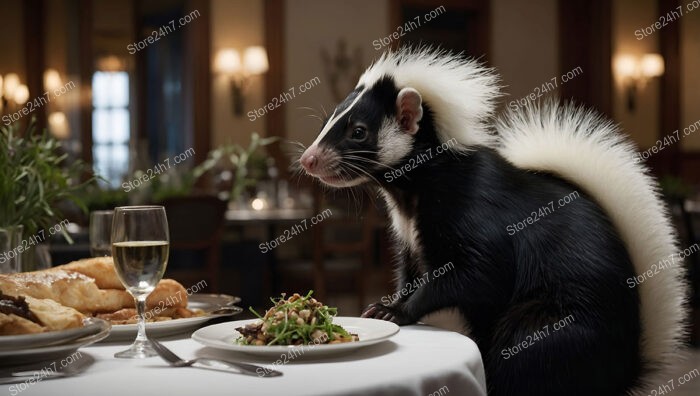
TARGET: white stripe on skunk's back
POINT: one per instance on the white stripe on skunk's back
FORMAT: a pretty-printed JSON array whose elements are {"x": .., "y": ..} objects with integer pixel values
[
  {"x": 461, "y": 91},
  {"x": 590, "y": 152}
]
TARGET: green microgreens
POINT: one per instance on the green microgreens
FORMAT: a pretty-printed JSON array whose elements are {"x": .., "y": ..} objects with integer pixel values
[{"x": 288, "y": 332}]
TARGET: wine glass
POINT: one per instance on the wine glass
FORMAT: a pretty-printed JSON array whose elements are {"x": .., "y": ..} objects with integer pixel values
[
  {"x": 100, "y": 233},
  {"x": 140, "y": 247}
]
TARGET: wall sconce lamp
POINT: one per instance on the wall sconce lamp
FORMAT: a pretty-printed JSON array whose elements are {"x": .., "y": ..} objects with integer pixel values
[
  {"x": 12, "y": 92},
  {"x": 58, "y": 125},
  {"x": 635, "y": 72},
  {"x": 15, "y": 94},
  {"x": 52, "y": 80},
  {"x": 228, "y": 63},
  {"x": 57, "y": 120}
]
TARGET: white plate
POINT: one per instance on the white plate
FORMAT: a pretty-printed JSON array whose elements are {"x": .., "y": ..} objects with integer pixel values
[
  {"x": 214, "y": 306},
  {"x": 370, "y": 331},
  {"x": 24, "y": 355},
  {"x": 14, "y": 342}
]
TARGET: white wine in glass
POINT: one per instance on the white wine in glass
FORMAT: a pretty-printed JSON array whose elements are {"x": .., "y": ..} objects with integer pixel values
[{"x": 140, "y": 246}]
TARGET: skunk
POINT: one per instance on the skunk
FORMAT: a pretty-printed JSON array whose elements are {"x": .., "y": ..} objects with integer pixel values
[{"x": 544, "y": 215}]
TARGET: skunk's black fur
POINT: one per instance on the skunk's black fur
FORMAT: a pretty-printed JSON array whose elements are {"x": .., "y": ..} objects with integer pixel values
[
  {"x": 513, "y": 287},
  {"x": 549, "y": 305}
]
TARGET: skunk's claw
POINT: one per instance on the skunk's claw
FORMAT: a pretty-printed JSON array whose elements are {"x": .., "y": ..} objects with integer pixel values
[{"x": 382, "y": 312}]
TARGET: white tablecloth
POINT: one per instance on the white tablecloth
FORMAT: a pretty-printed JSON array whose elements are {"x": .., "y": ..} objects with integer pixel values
[{"x": 420, "y": 360}]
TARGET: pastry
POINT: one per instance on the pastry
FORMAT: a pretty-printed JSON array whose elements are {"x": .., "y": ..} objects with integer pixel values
[{"x": 27, "y": 315}]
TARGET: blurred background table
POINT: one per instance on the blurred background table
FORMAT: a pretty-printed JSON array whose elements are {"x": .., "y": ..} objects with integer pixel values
[
  {"x": 237, "y": 217},
  {"x": 273, "y": 220}
]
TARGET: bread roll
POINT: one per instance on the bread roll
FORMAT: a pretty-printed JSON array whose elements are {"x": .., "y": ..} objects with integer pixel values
[
  {"x": 168, "y": 293},
  {"x": 77, "y": 285},
  {"x": 101, "y": 269}
]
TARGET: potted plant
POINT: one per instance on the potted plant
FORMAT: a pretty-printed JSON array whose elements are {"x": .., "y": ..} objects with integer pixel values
[
  {"x": 35, "y": 176},
  {"x": 246, "y": 165}
]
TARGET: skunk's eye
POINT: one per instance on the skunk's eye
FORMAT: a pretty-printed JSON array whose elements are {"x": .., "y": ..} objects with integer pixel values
[{"x": 359, "y": 133}]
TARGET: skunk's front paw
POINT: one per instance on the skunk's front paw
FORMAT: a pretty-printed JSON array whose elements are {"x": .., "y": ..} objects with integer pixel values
[{"x": 391, "y": 314}]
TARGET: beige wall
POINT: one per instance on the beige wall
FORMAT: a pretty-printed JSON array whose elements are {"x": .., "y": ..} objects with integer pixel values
[
  {"x": 524, "y": 45},
  {"x": 61, "y": 27},
  {"x": 524, "y": 49},
  {"x": 315, "y": 24},
  {"x": 312, "y": 25},
  {"x": 642, "y": 124},
  {"x": 235, "y": 24},
  {"x": 56, "y": 51},
  {"x": 690, "y": 80}
]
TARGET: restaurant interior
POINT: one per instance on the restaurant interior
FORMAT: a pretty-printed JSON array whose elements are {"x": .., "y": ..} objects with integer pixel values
[{"x": 205, "y": 106}]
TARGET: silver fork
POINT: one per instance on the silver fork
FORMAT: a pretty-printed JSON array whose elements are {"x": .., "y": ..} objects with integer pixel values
[{"x": 216, "y": 364}]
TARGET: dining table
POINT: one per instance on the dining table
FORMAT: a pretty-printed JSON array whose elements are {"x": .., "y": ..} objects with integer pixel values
[
  {"x": 418, "y": 360},
  {"x": 272, "y": 219}
]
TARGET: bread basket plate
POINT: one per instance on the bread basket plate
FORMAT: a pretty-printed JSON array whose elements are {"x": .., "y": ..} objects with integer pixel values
[
  {"x": 213, "y": 305},
  {"x": 370, "y": 331},
  {"x": 15, "y": 342},
  {"x": 24, "y": 355}
]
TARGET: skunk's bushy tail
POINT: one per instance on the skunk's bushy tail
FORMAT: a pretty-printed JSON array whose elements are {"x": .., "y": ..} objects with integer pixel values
[{"x": 589, "y": 151}]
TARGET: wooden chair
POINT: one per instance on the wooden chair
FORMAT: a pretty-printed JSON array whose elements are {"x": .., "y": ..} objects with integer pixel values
[
  {"x": 691, "y": 220},
  {"x": 326, "y": 247},
  {"x": 197, "y": 224},
  {"x": 688, "y": 225}
]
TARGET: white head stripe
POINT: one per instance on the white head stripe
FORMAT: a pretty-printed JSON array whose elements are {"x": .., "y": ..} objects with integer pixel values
[{"x": 335, "y": 118}]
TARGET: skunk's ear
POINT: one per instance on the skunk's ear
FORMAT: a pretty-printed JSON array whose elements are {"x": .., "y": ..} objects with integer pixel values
[{"x": 408, "y": 109}]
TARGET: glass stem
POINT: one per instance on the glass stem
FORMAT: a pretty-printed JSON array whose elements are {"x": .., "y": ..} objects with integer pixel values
[{"x": 141, "y": 309}]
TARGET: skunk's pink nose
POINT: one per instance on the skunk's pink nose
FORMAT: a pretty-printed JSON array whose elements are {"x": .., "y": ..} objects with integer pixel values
[{"x": 309, "y": 160}]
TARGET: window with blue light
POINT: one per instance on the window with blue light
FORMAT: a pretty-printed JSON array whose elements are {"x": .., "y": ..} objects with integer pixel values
[{"x": 110, "y": 125}]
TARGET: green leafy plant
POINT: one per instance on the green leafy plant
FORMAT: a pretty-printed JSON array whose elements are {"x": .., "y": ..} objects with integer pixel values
[
  {"x": 240, "y": 158},
  {"x": 35, "y": 176},
  {"x": 97, "y": 197},
  {"x": 248, "y": 164},
  {"x": 674, "y": 187}
]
